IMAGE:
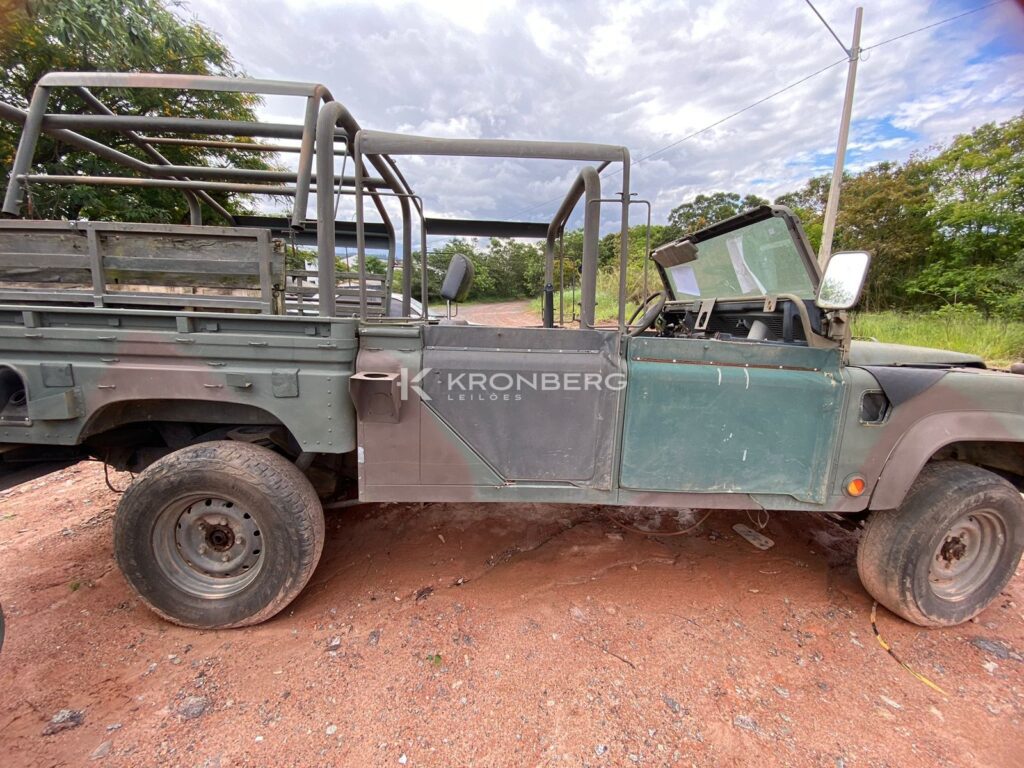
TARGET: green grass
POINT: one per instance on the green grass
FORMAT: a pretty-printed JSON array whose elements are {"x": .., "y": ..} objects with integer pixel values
[
  {"x": 999, "y": 342},
  {"x": 606, "y": 311}
]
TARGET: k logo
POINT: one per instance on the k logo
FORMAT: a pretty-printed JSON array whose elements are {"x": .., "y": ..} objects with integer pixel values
[{"x": 406, "y": 383}]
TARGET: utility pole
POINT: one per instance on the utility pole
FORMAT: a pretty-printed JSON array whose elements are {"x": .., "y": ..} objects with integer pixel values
[{"x": 832, "y": 207}]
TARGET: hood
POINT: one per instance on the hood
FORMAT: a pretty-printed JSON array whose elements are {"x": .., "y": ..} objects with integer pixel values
[{"x": 879, "y": 353}]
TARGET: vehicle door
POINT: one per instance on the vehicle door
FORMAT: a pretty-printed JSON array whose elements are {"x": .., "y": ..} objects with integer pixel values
[
  {"x": 712, "y": 411},
  {"x": 536, "y": 404}
]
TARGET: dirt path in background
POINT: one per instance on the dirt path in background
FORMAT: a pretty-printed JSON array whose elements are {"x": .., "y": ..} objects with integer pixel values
[
  {"x": 503, "y": 313},
  {"x": 453, "y": 635}
]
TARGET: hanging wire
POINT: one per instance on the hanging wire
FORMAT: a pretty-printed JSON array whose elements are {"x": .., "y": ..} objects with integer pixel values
[
  {"x": 779, "y": 92},
  {"x": 106, "y": 478},
  {"x": 705, "y": 129},
  {"x": 828, "y": 27},
  {"x": 933, "y": 25}
]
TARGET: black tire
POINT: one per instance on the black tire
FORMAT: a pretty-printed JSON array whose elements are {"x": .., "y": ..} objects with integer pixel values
[
  {"x": 219, "y": 534},
  {"x": 949, "y": 550}
]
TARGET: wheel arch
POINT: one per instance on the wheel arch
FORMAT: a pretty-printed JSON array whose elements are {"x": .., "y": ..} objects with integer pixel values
[
  {"x": 124, "y": 412},
  {"x": 991, "y": 440},
  {"x": 132, "y": 434}
]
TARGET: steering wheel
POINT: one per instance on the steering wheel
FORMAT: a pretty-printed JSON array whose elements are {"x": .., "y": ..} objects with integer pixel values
[{"x": 651, "y": 308}]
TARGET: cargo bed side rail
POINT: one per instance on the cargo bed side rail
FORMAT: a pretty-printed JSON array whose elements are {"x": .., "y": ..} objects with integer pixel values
[{"x": 161, "y": 266}]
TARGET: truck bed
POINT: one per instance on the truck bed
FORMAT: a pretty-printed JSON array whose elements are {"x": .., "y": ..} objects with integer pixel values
[{"x": 69, "y": 375}]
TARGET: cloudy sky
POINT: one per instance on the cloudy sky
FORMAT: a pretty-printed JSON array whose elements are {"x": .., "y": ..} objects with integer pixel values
[{"x": 641, "y": 73}]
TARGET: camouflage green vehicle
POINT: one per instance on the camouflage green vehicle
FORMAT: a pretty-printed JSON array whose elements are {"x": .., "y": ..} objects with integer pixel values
[{"x": 248, "y": 395}]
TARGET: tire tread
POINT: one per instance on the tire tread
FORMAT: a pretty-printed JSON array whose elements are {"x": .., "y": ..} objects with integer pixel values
[{"x": 246, "y": 463}]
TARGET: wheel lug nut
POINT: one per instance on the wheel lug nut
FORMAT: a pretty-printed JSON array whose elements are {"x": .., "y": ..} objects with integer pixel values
[{"x": 224, "y": 558}]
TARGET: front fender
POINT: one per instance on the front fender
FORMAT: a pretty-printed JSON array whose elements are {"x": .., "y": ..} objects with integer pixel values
[{"x": 919, "y": 443}]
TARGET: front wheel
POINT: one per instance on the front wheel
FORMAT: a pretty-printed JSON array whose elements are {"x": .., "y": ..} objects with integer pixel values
[
  {"x": 949, "y": 550},
  {"x": 219, "y": 534}
]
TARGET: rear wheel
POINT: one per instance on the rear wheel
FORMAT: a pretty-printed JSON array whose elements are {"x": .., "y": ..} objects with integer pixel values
[
  {"x": 949, "y": 550},
  {"x": 219, "y": 534}
]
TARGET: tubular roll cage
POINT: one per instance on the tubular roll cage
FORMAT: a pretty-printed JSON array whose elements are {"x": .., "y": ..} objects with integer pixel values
[{"x": 328, "y": 130}]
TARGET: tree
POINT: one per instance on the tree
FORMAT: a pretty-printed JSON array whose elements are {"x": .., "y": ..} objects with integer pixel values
[
  {"x": 516, "y": 268},
  {"x": 978, "y": 217},
  {"x": 884, "y": 211},
  {"x": 114, "y": 35},
  {"x": 705, "y": 210},
  {"x": 808, "y": 203},
  {"x": 437, "y": 266},
  {"x": 609, "y": 257}
]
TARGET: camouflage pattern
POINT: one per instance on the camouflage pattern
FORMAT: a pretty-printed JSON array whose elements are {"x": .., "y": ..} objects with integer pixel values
[
  {"x": 699, "y": 423},
  {"x": 89, "y": 370},
  {"x": 450, "y": 412}
]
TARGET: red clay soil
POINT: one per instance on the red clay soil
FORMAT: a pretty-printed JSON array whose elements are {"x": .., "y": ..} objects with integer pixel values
[
  {"x": 501, "y": 313},
  {"x": 456, "y": 635}
]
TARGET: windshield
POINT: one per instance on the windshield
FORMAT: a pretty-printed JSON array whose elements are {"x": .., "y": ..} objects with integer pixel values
[{"x": 758, "y": 259}]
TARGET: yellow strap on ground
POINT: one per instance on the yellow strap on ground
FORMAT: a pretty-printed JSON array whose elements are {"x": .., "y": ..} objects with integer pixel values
[{"x": 888, "y": 649}]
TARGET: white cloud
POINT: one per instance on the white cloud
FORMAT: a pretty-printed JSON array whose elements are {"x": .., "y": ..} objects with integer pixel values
[{"x": 643, "y": 73}]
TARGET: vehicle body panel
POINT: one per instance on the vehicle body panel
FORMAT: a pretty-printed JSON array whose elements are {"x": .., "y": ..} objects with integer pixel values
[
  {"x": 863, "y": 352},
  {"x": 704, "y": 416},
  {"x": 536, "y": 404},
  {"x": 84, "y": 368}
]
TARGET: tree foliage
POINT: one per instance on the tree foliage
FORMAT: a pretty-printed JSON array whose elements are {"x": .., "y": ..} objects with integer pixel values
[
  {"x": 884, "y": 210},
  {"x": 504, "y": 269},
  {"x": 944, "y": 231},
  {"x": 121, "y": 36},
  {"x": 704, "y": 210},
  {"x": 977, "y": 214}
]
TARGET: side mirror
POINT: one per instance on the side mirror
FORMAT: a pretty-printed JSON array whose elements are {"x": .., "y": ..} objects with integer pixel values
[
  {"x": 843, "y": 280},
  {"x": 458, "y": 279}
]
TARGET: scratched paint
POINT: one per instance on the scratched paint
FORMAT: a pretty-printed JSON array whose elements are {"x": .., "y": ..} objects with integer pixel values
[{"x": 689, "y": 425}]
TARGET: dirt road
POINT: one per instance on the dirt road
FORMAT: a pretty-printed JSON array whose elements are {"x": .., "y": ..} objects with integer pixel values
[
  {"x": 501, "y": 313},
  {"x": 452, "y": 635}
]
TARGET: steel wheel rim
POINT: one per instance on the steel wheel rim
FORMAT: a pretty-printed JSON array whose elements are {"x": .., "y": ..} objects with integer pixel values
[
  {"x": 967, "y": 555},
  {"x": 209, "y": 547}
]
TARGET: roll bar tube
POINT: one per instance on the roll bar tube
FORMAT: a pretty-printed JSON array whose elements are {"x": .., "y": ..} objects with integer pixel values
[{"x": 588, "y": 184}]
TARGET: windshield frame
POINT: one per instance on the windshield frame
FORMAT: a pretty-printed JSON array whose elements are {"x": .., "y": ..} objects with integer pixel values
[{"x": 741, "y": 221}]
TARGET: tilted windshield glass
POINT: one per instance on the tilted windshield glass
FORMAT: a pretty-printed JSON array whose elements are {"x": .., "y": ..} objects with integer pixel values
[{"x": 757, "y": 260}]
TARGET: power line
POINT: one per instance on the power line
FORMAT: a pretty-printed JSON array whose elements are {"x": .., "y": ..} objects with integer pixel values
[
  {"x": 779, "y": 92},
  {"x": 933, "y": 25},
  {"x": 757, "y": 103},
  {"x": 697, "y": 132},
  {"x": 828, "y": 27}
]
